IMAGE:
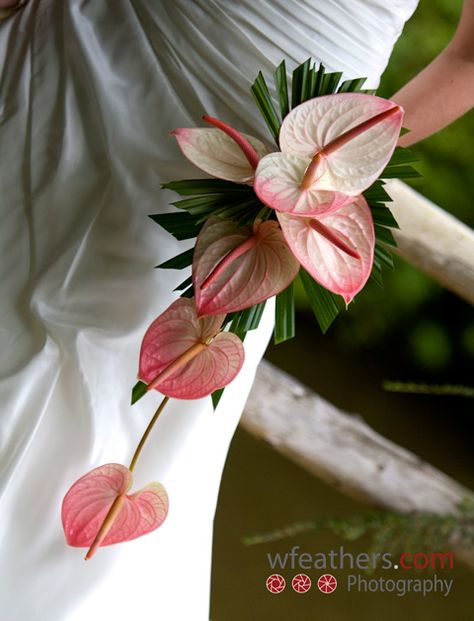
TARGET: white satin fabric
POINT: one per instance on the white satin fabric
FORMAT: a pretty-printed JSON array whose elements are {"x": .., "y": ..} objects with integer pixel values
[{"x": 89, "y": 94}]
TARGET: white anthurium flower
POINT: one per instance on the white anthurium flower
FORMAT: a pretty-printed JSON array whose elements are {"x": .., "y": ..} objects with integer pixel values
[
  {"x": 332, "y": 148},
  {"x": 336, "y": 248},
  {"x": 221, "y": 151}
]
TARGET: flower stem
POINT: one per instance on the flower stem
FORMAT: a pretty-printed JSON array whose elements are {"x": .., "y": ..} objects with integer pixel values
[
  {"x": 106, "y": 525},
  {"x": 310, "y": 173},
  {"x": 138, "y": 450},
  {"x": 180, "y": 361},
  {"x": 117, "y": 504},
  {"x": 326, "y": 232}
]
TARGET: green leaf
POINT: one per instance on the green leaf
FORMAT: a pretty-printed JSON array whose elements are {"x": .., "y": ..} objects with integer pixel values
[
  {"x": 300, "y": 85},
  {"x": 241, "y": 204},
  {"x": 248, "y": 217},
  {"x": 376, "y": 275},
  {"x": 209, "y": 204},
  {"x": 282, "y": 89},
  {"x": 254, "y": 316},
  {"x": 325, "y": 305},
  {"x": 216, "y": 397},
  {"x": 319, "y": 80},
  {"x": 185, "y": 187},
  {"x": 399, "y": 172},
  {"x": 265, "y": 213},
  {"x": 330, "y": 83},
  {"x": 138, "y": 391},
  {"x": 179, "y": 261},
  {"x": 307, "y": 83},
  {"x": 384, "y": 256},
  {"x": 402, "y": 155},
  {"x": 185, "y": 284},
  {"x": 180, "y": 225},
  {"x": 351, "y": 86},
  {"x": 382, "y": 215},
  {"x": 198, "y": 205},
  {"x": 188, "y": 293},
  {"x": 246, "y": 320},
  {"x": 261, "y": 94},
  {"x": 377, "y": 193},
  {"x": 384, "y": 235},
  {"x": 313, "y": 81},
  {"x": 285, "y": 315},
  {"x": 236, "y": 211}
]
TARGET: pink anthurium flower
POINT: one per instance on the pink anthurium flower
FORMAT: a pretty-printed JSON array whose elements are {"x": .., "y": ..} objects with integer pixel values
[
  {"x": 336, "y": 248},
  {"x": 97, "y": 511},
  {"x": 222, "y": 152},
  {"x": 237, "y": 267},
  {"x": 186, "y": 356},
  {"x": 332, "y": 147}
]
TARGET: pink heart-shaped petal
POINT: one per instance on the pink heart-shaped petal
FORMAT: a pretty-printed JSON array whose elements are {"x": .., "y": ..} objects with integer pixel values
[
  {"x": 217, "y": 154},
  {"x": 186, "y": 357},
  {"x": 278, "y": 180},
  {"x": 337, "y": 248},
  {"x": 89, "y": 500},
  {"x": 355, "y": 133},
  {"x": 237, "y": 267}
]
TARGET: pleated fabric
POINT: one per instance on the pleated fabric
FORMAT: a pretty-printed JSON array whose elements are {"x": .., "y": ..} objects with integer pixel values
[{"x": 89, "y": 93}]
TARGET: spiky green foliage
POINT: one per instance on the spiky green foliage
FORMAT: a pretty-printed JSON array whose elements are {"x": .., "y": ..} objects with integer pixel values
[
  {"x": 216, "y": 197},
  {"x": 430, "y": 389}
]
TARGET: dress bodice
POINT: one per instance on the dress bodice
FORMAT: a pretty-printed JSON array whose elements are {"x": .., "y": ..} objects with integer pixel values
[{"x": 219, "y": 45}]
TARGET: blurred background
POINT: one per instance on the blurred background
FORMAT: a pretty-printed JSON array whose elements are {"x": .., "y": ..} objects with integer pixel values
[{"x": 411, "y": 330}]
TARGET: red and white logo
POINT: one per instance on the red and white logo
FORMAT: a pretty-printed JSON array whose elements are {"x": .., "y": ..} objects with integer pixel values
[
  {"x": 276, "y": 583},
  {"x": 301, "y": 583},
  {"x": 327, "y": 583}
]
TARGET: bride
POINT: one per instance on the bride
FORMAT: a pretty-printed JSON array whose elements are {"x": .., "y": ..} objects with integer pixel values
[{"x": 90, "y": 92}]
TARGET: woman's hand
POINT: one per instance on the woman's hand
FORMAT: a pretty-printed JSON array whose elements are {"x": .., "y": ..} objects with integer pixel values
[{"x": 444, "y": 90}]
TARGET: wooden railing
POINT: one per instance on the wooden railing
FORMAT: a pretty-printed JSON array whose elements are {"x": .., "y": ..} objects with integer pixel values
[
  {"x": 433, "y": 240},
  {"x": 341, "y": 449}
]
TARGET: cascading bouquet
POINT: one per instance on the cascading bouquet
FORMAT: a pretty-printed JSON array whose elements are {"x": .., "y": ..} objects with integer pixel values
[{"x": 314, "y": 209}]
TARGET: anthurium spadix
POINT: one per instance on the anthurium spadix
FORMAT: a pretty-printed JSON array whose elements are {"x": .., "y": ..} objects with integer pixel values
[
  {"x": 222, "y": 151},
  {"x": 331, "y": 147},
  {"x": 186, "y": 356},
  {"x": 236, "y": 267},
  {"x": 97, "y": 511},
  {"x": 336, "y": 248}
]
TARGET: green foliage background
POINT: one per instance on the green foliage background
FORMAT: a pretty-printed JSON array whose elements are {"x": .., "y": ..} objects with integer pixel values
[
  {"x": 429, "y": 330},
  {"x": 447, "y": 158}
]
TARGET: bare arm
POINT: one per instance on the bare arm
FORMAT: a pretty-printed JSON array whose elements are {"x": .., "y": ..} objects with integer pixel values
[{"x": 444, "y": 90}]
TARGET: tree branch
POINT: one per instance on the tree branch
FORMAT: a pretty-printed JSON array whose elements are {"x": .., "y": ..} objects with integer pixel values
[{"x": 342, "y": 450}]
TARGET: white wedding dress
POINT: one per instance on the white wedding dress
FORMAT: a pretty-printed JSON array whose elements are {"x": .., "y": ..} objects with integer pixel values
[{"x": 89, "y": 94}]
